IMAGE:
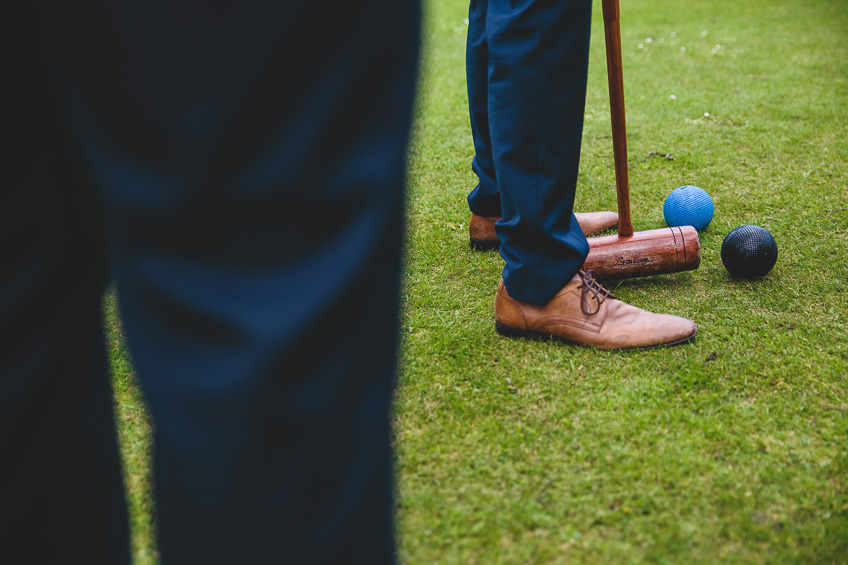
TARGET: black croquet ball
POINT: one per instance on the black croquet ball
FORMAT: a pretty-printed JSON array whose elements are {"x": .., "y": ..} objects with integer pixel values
[{"x": 749, "y": 251}]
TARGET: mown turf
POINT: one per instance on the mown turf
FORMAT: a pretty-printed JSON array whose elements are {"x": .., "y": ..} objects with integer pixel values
[
  {"x": 134, "y": 435},
  {"x": 728, "y": 450}
]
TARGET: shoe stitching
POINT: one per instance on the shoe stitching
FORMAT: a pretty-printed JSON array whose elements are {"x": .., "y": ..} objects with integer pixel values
[{"x": 570, "y": 322}]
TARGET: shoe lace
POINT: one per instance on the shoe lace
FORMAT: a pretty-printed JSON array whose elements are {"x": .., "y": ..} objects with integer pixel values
[{"x": 592, "y": 285}]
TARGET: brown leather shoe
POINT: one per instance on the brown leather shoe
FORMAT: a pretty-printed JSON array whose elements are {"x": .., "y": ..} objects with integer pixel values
[
  {"x": 481, "y": 229},
  {"x": 585, "y": 313},
  {"x": 481, "y": 232},
  {"x": 596, "y": 222}
]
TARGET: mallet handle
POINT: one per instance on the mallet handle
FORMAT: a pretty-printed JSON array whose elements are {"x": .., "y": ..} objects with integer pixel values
[{"x": 612, "y": 32}]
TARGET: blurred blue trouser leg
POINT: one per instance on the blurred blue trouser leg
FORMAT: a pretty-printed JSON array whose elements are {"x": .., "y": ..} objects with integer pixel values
[
  {"x": 61, "y": 493},
  {"x": 248, "y": 162}
]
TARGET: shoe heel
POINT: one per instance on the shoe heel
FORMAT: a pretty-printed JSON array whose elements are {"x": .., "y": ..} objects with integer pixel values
[
  {"x": 511, "y": 332},
  {"x": 477, "y": 245}
]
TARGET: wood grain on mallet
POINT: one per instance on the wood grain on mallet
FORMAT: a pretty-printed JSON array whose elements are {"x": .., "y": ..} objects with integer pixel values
[{"x": 652, "y": 252}]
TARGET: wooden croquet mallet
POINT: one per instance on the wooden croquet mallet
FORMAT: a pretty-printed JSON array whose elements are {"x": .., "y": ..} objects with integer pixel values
[{"x": 633, "y": 254}]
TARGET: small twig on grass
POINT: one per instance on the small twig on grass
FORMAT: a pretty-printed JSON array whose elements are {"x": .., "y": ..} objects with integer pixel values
[
  {"x": 831, "y": 409},
  {"x": 542, "y": 497},
  {"x": 666, "y": 156},
  {"x": 828, "y": 409}
]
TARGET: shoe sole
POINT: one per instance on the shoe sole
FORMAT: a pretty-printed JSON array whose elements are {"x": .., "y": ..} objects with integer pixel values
[
  {"x": 514, "y": 332},
  {"x": 478, "y": 245}
]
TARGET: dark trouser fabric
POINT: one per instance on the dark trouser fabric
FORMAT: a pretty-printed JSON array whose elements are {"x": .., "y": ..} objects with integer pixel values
[
  {"x": 237, "y": 170},
  {"x": 527, "y": 63}
]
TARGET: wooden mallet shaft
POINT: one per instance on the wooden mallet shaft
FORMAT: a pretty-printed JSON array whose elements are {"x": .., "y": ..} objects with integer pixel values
[
  {"x": 629, "y": 254},
  {"x": 615, "y": 74}
]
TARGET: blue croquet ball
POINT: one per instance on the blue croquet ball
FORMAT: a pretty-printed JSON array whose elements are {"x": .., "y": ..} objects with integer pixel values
[
  {"x": 749, "y": 251},
  {"x": 688, "y": 206}
]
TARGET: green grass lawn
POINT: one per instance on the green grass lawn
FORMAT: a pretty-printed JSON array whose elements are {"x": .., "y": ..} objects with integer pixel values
[
  {"x": 729, "y": 450},
  {"x": 732, "y": 449}
]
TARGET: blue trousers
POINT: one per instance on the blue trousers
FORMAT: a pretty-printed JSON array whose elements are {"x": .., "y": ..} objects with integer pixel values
[
  {"x": 526, "y": 65},
  {"x": 237, "y": 171}
]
